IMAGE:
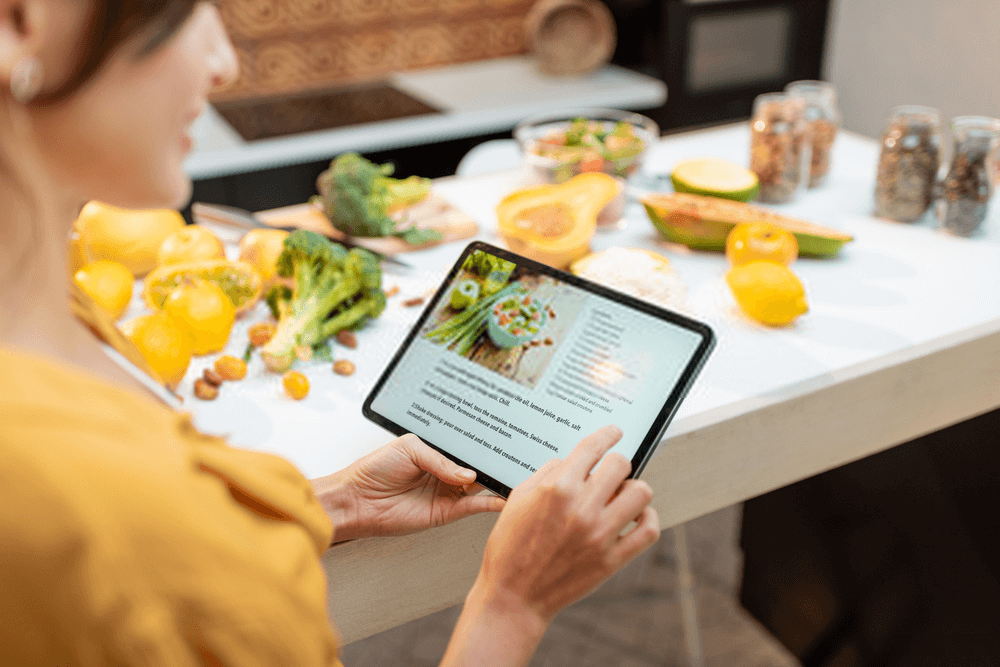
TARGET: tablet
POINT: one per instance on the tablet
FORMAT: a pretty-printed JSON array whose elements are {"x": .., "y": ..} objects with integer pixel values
[{"x": 513, "y": 362}]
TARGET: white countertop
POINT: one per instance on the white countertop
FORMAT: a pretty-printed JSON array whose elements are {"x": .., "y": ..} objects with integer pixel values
[
  {"x": 902, "y": 338},
  {"x": 475, "y": 98},
  {"x": 889, "y": 290}
]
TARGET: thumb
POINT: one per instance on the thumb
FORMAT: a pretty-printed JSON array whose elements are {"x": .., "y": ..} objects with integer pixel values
[{"x": 430, "y": 460}]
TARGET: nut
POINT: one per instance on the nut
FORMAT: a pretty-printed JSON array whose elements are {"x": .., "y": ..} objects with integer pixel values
[
  {"x": 415, "y": 301},
  {"x": 347, "y": 339},
  {"x": 205, "y": 391},
  {"x": 343, "y": 367},
  {"x": 212, "y": 378},
  {"x": 392, "y": 291}
]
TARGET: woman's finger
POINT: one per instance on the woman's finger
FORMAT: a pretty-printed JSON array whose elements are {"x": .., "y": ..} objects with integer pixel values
[
  {"x": 628, "y": 504},
  {"x": 608, "y": 477},
  {"x": 589, "y": 451},
  {"x": 536, "y": 477},
  {"x": 637, "y": 540},
  {"x": 430, "y": 460},
  {"x": 470, "y": 505}
]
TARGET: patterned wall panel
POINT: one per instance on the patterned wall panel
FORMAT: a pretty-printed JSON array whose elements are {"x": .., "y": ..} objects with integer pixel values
[{"x": 293, "y": 46}]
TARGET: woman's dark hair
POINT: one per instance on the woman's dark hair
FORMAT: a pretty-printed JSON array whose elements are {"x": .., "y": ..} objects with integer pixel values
[{"x": 112, "y": 23}]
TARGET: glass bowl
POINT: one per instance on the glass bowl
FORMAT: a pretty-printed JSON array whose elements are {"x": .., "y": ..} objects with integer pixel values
[
  {"x": 504, "y": 322},
  {"x": 558, "y": 146}
]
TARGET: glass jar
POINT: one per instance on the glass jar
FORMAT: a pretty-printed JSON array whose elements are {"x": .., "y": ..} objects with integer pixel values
[
  {"x": 823, "y": 118},
  {"x": 779, "y": 146},
  {"x": 908, "y": 163},
  {"x": 966, "y": 190}
]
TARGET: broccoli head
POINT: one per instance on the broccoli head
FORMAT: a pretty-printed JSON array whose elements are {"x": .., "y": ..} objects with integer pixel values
[
  {"x": 334, "y": 289},
  {"x": 359, "y": 197}
]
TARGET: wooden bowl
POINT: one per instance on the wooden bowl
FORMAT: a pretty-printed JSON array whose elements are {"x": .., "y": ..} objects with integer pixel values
[{"x": 570, "y": 37}]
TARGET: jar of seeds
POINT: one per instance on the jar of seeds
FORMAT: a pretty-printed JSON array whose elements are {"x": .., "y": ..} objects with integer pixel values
[
  {"x": 779, "y": 146},
  {"x": 908, "y": 163},
  {"x": 823, "y": 118},
  {"x": 966, "y": 190}
]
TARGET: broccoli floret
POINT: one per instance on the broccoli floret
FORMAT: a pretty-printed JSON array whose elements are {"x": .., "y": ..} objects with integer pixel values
[
  {"x": 496, "y": 271},
  {"x": 277, "y": 299},
  {"x": 334, "y": 290},
  {"x": 358, "y": 197}
]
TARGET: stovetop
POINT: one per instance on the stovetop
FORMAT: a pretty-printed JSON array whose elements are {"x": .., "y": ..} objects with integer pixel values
[{"x": 265, "y": 118}]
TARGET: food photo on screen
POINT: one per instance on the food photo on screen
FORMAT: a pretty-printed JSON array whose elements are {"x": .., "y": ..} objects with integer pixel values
[{"x": 506, "y": 318}]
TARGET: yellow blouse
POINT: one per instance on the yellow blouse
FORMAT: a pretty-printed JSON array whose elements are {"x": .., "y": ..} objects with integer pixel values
[{"x": 128, "y": 538}]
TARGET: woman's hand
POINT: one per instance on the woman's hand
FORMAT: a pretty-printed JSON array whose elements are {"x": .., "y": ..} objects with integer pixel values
[
  {"x": 557, "y": 539},
  {"x": 402, "y": 487}
]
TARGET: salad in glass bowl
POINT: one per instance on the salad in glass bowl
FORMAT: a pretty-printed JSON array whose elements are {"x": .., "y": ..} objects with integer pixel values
[
  {"x": 516, "y": 320},
  {"x": 560, "y": 146}
]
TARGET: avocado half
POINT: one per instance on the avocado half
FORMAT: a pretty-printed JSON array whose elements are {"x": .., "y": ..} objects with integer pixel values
[
  {"x": 715, "y": 178},
  {"x": 703, "y": 223}
]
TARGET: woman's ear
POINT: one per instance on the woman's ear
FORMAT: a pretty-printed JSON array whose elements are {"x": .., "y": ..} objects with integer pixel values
[{"x": 22, "y": 25}]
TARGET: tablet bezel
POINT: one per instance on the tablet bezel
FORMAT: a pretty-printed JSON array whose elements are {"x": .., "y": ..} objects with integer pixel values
[{"x": 663, "y": 417}]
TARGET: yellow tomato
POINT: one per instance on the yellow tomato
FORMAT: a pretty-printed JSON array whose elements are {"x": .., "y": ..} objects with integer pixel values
[
  {"x": 190, "y": 244},
  {"x": 768, "y": 292},
  {"x": 109, "y": 284},
  {"x": 261, "y": 248},
  {"x": 204, "y": 310},
  {"x": 130, "y": 237},
  {"x": 296, "y": 384},
  {"x": 761, "y": 240},
  {"x": 164, "y": 344},
  {"x": 230, "y": 368}
]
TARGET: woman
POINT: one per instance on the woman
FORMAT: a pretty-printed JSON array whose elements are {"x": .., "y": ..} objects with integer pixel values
[{"x": 129, "y": 538}]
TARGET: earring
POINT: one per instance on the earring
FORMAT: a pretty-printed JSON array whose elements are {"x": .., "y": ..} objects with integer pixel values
[{"x": 26, "y": 79}]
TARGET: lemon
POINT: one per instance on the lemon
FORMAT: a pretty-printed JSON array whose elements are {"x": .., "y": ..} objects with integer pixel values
[
  {"x": 190, "y": 244},
  {"x": 130, "y": 237},
  {"x": 240, "y": 281},
  {"x": 767, "y": 291},
  {"x": 260, "y": 248},
  {"x": 108, "y": 283},
  {"x": 204, "y": 310},
  {"x": 715, "y": 178},
  {"x": 164, "y": 344}
]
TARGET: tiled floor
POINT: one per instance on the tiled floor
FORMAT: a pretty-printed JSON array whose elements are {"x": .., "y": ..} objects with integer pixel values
[{"x": 634, "y": 620}]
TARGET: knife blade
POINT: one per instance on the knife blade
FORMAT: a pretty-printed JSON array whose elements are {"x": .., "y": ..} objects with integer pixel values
[{"x": 233, "y": 216}]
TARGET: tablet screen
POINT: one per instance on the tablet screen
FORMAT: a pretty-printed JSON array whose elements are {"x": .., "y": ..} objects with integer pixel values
[{"x": 512, "y": 363}]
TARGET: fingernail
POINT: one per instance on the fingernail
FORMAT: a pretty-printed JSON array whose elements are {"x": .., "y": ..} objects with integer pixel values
[{"x": 466, "y": 474}]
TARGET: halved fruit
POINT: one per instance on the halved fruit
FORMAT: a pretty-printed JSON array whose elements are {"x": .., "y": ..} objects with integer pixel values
[
  {"x": 240, "y": 281},
  {"x": 715, "y": 178},
  {"x": 704, "y": 223},
  {"x": 553, "y": 224}
]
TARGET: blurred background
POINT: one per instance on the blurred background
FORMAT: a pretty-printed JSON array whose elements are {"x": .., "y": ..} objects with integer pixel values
[
  {"x": 310, "y": 65},
  {"x": 893, "y": 560}
]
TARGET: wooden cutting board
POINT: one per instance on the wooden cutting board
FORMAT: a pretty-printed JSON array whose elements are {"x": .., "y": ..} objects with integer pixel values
[{"x": 434, "y": 212}]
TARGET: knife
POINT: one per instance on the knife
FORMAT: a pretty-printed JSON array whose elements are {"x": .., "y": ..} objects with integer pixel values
[{"x": 233, "y": 216}]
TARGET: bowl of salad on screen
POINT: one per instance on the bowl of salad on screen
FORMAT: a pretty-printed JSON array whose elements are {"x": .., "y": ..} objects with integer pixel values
[
  {"x": 559, "y": 146},
  {"x": 517, "y": 320}
]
